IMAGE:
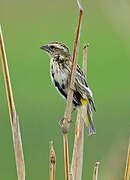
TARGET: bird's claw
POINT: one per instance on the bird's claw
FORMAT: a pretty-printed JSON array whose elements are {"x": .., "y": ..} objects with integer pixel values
[
  {"x": 71, "y": 121},
  {"x": 62, "y": 120}
]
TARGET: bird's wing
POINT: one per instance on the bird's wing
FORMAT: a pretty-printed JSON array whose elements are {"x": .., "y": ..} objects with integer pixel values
[{"x": 82, "y": 87}]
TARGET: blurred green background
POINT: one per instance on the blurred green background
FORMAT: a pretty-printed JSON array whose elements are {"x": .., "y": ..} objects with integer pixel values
[{"x": 26, "y": 26}]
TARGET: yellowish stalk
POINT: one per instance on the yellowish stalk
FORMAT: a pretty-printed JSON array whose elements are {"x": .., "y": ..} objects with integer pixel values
[
  {"x": 127, "y": 169},
  {"x": 12, "y": 112},
  {"x": 77, "y": 159},
  {"x": 52, "y": 162},
  {"x": 95, "y": 173},
  {"x": 67, "y": 114}
]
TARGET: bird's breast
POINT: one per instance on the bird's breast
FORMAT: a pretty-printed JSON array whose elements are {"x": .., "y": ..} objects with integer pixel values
[
  {"x": 59, "y": 78},
  {"x": 59, "y": 75}
]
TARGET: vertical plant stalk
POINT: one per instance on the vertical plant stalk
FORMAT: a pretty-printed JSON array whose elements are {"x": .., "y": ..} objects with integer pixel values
[
  {"x": 67, "y": 114},
  {"x": 6, "y": 77},
  {"x": 77, "y": 158},
  {"x": 52, "y": 162},
  {"x": 95, "y": 172},
  {"x": 18, "y": 148},
  {"x": 13, "y": 115},
  {"x": 66, "y": 157},
  {"x": 127, "y": 169}
]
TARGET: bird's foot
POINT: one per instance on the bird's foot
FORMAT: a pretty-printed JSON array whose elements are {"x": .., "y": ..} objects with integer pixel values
[
  {"x": 61, "y": 121},
  {"x": 70, "y": 121}
]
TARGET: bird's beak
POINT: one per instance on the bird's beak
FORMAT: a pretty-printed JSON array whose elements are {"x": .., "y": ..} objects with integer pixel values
[{"x": 45, "y": 47}]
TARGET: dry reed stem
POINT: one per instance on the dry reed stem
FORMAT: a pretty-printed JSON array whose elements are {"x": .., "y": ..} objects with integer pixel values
[
  {"x": 18, "y": 148},
  {"x": 52, "y": 162},
  {"x": 13, "y": 116},
  {"x": 95, "y": 172},
  {"x": 127, "y": 170},
  {"x": 77, "y": 159},
  {"x": 6, "y": 77},
  {"x": 66, "y": 157},
  {"x": 67, "y": 114}
]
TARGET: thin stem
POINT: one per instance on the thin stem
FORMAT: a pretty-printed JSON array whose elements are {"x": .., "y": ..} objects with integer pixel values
[
  {"x": 95, "y": 173},
  {"x": 127, "y": 170},
  {"x": 67, "y": 113},
  {"x": 6, "y": 77},
  {"x": 13, "y": 116},
  {"x": 66, "y": 157},
  {"x": 52, "y": 162},
  {"x": 77, "y": 159},
  {"x": 18, "y": 148}
]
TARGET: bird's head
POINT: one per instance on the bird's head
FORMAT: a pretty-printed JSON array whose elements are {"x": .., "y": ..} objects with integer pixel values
[{"x": 56, "y": 48}]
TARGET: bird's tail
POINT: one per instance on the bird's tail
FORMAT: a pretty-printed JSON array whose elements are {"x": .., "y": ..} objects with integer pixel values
[{"x": 87, "y": 115}]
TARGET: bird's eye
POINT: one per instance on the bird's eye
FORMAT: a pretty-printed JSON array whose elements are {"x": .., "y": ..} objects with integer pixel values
[{"x": 52, "y": 47}]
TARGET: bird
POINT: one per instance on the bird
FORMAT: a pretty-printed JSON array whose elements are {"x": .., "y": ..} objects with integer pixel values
[{"x": 60, "y": 70}]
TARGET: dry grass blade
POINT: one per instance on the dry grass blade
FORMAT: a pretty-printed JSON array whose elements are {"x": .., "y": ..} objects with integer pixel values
[
  {"x": 95, "y": 173},
  {"x": 77, "y": 159},
  {"x": 52, "y": 162},
  {"x": 18, "y": 148},
  {"x": 13, "y": 116},
  {"x": 127, "y": 170},
  {"x": 6, "y": 77}
]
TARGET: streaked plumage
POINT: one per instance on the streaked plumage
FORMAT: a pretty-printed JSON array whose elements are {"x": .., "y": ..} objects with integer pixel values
[{"x": 60, "y": 68}]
